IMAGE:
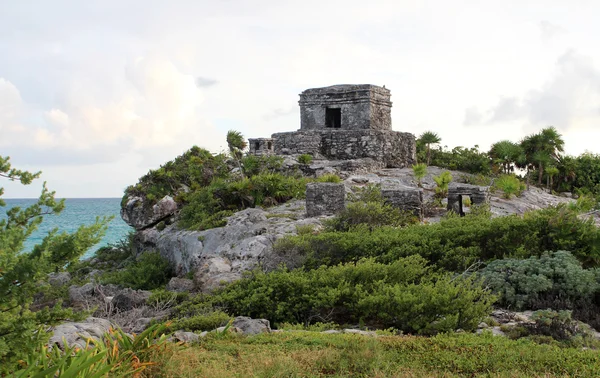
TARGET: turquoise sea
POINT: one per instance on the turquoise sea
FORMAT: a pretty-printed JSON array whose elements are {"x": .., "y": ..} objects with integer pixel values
[{"x": 77, "y": 211}]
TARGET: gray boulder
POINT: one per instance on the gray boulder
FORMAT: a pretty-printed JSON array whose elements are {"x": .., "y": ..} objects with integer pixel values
[
  {"x": 249, "y": 326},
  {"x": 129, "y": 299},
  {"x": 186, "y": 337},
  {"x": 180, "y": 284},
  {"x": 59, "y": 279},
  {"x": 140, "y": 213},
  {"x": 77, "y": 333},
  {"x": 79, "y": 295}
]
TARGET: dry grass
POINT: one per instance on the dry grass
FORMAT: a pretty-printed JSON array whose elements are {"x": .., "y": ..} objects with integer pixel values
[{"x": 312, "y": 354}]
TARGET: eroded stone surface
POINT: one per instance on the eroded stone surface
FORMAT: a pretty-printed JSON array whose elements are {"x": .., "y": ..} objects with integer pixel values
[
  {"x": 140, "y": 213},
  {"x": 325, "y": 198},
  {"x": 77, "y": 333}
]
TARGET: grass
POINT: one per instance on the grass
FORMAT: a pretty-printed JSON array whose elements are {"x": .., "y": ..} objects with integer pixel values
[{"x": 313, "y": 354}]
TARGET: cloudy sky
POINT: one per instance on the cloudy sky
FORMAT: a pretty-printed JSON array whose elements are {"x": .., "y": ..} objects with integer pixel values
[{"x": 95, "y": 93}]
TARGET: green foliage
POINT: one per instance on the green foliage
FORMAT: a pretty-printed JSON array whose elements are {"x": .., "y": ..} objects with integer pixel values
[
  {"x": 368, "y": 193},
  {"x": 117, "y": 355},
  {"x": 202, "y": 322},
  {"x": 420, "y": 171},
  {"x": 538, "y": 281},
  {"x": 305, "y": 159},
  {"x": 454, "y": 244},
  {"x": 253, "y": 165},
  {"x": 509, "y": 184},
  {"x": 209, "y": 206},
  {"x": 23, "y": 273},
  {"x": 506, "y": 154},
  {"x": 368, "y": 215},
  {"x": 305, "y": 229},
  {"x": 193, "y": 169},
  {"x": 236, "y": 144},
  {"x": 427, "y": 139},
  {"x": 404, "y": 294},
  {"x": 469, "y": 160},
  {"x": 442, "y": 181},
  {"x": 330, "y": 177},
  {"x": 149, "y": 271}
]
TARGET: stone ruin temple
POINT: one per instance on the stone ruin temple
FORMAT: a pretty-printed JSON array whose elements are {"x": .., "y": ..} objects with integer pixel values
[{"x": 344, "y": 122}]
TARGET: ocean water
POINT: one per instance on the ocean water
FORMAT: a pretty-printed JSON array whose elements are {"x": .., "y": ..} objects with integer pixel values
[{"x": 77, "y": 212}]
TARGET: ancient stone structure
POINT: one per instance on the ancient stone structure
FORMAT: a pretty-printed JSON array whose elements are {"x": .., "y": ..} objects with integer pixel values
[
  {"x": 344, "y": 122},
  {"x": 324, "y": 198},
  {"x": 456, "y": 192},
  {"x": 261, "y": 146},
  {"x": 405, "y": 198}
]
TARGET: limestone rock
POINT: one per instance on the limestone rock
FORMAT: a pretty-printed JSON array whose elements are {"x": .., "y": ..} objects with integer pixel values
[
  {"x": 77, "y": 333},
  {"x": 128, "y": 299},
  {"x": 180, "y": 285},
  {"x": 59, "y": 279},
  {"x": 80, "y": 294},
  {"x": 250, "y": 326},
  {"x": 140, "y": 213},
  {"x": 324, "y": 198},
  {"x": 140, "y": 325},
  {"x": 186, "y": 337},
  {"x": 360, "y": 332}
]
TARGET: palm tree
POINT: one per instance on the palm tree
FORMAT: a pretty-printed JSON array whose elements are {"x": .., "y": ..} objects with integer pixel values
[
  {"x": 543, "y": 148},
  {"x": 506, "y": 153},
  {"x": 236, "y": 144},
  {"x": 551, "y": 171},
  {"x": 428, "y": 138}
]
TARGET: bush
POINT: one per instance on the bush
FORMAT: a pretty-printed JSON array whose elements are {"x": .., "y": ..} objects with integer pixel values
[
  {"x": 404, "y": 294},
  {"x": 369, "y": 215},
  {"x": 330, "y": 177},
  {"x": 194, "y": 169},
  {"x": 253, "y": 165},
  {"x": 305, "y": 159},
  {"x": 509, "y": 184},
  {"x": 420, "y": 171},
  {"x": 150, "y": 271},
  {"x": 456, "y": 243},
  {"x": 538, "y": 281},
  {"x": 442, "y": 181},
  {"x": 209, "y": 206},
  {"x": 201, "y": 322}
]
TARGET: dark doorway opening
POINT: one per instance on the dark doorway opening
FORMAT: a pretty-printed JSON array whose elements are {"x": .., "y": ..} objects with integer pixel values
[
  {"x": 464, "y": 205},
  {"x": 256, "y": 146},
  {"x": 333, "y": 118},
  {"x": 269, "y": 146}
]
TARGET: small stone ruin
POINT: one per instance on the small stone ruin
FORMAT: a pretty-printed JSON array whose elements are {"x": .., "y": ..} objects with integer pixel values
[
  {"x": 344, "y": 122},
  {"x": 325, "y": 198},
  {"x": 261, "y": 146},
  {"x": 457, "y": 192},
  {"x": 405, "y": 198}
]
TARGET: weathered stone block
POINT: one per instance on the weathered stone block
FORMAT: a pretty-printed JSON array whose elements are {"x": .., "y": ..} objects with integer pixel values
[
  {"x": 324, "y": 198},
  {"x": 457, "y": 191},
  {"x": 261, "y": 146},
  {"x": 405, "y": 198}
]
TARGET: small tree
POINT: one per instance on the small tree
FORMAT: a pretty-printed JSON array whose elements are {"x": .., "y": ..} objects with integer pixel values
[
  {"x": 236, "y": 144},
  {"x": 550, "y": 173},
  {"x": 442, "y": 181},
  {"x": 428, "y": 138},
  {"x": 419, "y": 170},
  {"x": 22, "y": 273}
]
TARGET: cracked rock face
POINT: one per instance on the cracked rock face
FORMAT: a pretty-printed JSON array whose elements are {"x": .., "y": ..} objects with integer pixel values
[
  {"x": 140, "y": 214},
  {"x": 221, "y": 255}
]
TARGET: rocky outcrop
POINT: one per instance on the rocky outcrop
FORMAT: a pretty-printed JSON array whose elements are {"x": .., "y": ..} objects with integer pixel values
[
  {"x": 77, "y": 333},
  {"x": 140, "y": 213},
  {"x": 221, "y": 255},
  {"x": 129, "y": 299},
  {"x": 180, "y": 285},
  {"x": 249, "y": 326}
]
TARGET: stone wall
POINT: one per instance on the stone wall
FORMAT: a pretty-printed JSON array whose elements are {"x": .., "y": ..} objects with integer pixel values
[
  {"x": 324, "y": 198},
  {"x": 457, "y": 191},
  {"x": 261, "y": 146},
  {"x": 405, "y": 198},
  {"x": 394, "y": 149},
  {"x": 363, "y": 106}
]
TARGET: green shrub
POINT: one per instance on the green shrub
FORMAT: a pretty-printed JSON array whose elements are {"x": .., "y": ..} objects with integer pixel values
[
  {"x": 305, "y": 159},
  {"x": 537, "y": 281},
  {"x": 305, "y": 229},
  {"x": 253, "y": 165},
  {"x": 420, "y": 171},
  {"x": 201, "y": 322},
  {"x": 330, "y": 177},
  {"x": 370, "y": 215},
  {"x": 442, "y": 181},
  {"x": 150, "y": 271},
  {"x": 509, "y": 184},
  {"x": 208, "y": 207},
  {"x": 194, "y": 169},
  {"x": 368, "y": 193},
  {"x": 404, "y": 295},
  {"x": 456, "y": 243}
]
